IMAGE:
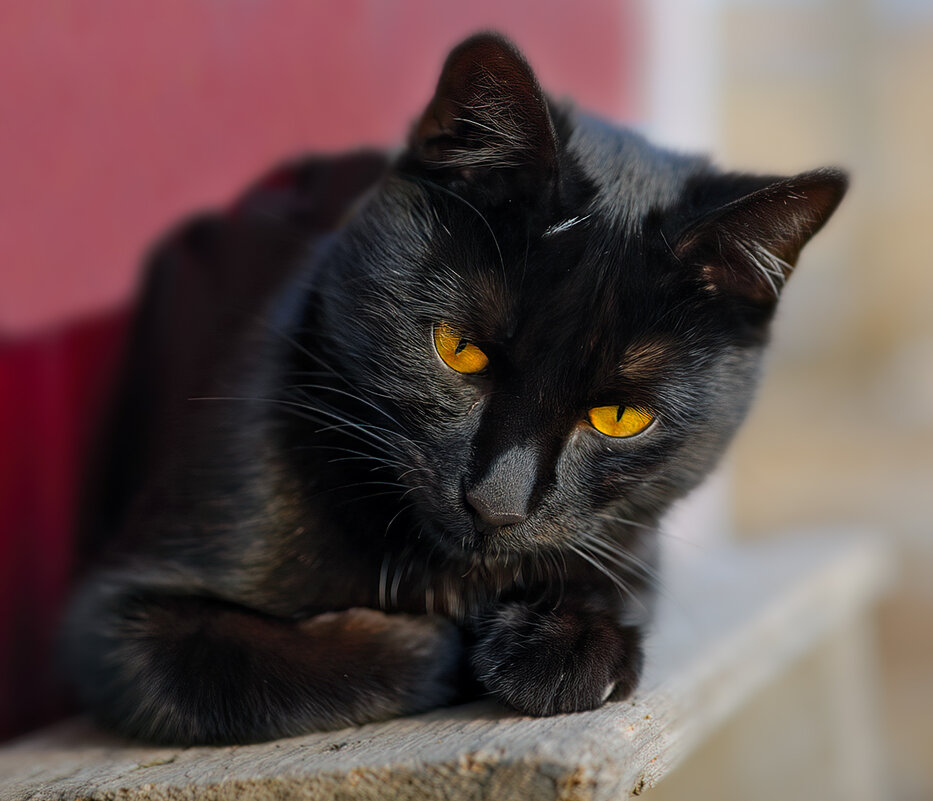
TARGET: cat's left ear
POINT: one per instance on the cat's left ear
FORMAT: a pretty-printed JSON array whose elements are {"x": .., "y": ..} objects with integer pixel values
[
  {"x": 487, "y": 114},
  {"x": 749, "y": 246}
]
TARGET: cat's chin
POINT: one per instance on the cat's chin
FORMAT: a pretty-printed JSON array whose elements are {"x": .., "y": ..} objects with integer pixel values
[
  {"x": 493, "y": 562},
  {"x": 502, "y": 545}
]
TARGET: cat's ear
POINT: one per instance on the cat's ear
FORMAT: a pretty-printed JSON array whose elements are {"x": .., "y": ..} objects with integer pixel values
[
  {"x": 487, "y": 113},
  {"x": 748, "y": 246}
]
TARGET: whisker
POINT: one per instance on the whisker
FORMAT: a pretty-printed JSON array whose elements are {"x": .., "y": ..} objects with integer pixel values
[
  {"x": 616, "y": 581},
  {"x": 350, "y": 395},
  {"x": 469, "y": 205},
  {"x": 396, "y": 516},
  {"x": 412, "y": 489},
  {"x": 626, "y": 521},
  {"x": 365, "y": 426},
  {"x": 301, "y": 410},
  {"x": 625, "y": 560},
  {"x": 659, "y": 530},
  {"x": 383, "y": 462},
  {"x": 383, "y": 578},
  {"x": 397, "y": 573},
  {"x": 397, "y": 489}
]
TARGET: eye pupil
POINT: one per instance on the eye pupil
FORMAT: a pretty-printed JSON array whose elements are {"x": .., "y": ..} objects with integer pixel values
[
  {"x": 460, "y": 346},
  {"x": 620, "y": 410}
]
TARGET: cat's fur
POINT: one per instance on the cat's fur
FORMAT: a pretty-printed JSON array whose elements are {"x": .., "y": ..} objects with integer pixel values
[{"x": 289, "y": 468}]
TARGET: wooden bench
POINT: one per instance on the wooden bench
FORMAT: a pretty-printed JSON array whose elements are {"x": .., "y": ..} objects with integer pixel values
[{"x": 735, "y": 619}]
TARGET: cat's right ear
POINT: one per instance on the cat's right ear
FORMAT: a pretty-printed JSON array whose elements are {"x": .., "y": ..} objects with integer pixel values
[
  {"x": 747, "y": 247},
  {"x": 488, "y": 114}
]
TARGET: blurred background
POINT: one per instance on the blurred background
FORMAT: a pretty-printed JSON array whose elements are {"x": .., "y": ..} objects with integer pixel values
[{"x": 118, "y": 117}]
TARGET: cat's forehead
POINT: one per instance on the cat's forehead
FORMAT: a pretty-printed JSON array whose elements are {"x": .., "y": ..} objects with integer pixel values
[
  {"x": 598, "y": 309},
  {"x": 587, "y": 327},
  {"x": 629, "y": 177}
]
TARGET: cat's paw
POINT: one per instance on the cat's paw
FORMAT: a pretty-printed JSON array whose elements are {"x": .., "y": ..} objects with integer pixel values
[
  {"x": 401, "y": 663},
  {"x": 553, "y": 661}
]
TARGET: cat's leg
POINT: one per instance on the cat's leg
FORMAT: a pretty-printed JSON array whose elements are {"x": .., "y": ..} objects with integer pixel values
[
  {"x": 544, "y": 658},
  {"x": 187, "y": 670}
]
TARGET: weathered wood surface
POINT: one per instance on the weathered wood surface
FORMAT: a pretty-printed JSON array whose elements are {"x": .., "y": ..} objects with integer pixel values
[{"x": 732, "y": 619}]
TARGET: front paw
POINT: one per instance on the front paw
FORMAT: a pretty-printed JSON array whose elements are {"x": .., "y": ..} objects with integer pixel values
[{"x": 552, "y": 661}]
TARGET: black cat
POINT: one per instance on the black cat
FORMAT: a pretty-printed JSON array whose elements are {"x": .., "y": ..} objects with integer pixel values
[{"x": 392, "y": 435}]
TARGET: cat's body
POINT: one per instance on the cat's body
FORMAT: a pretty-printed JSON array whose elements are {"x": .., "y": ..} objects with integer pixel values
[{"x": 342, "y": 524}]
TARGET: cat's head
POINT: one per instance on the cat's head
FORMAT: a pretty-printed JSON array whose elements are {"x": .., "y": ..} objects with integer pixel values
[{"x": 560, "y": 324}]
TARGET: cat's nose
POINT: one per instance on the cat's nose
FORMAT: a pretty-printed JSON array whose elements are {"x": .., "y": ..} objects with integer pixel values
[
  {"x": 503, "y": 495},
  {"x": 489, "y": 514}
]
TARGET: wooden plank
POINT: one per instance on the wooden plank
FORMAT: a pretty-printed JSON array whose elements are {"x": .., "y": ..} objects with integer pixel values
[
  {"x": 732, "y": 619},
  {"x": 812, "y": 733}
]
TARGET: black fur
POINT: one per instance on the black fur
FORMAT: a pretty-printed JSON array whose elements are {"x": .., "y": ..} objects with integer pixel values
[{"x": 297, "y": 527}]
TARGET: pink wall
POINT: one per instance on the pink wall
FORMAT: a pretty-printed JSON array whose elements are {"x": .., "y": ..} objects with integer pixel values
[{"x": 118, "y": 116}]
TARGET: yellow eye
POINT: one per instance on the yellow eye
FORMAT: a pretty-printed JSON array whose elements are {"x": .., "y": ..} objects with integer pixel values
[
  {"x": 620, "y": 421},
  {"x": 458, "y": 353}
]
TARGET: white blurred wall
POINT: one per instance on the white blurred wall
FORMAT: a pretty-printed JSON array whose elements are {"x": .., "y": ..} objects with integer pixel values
[{"x": 842, "y": 431}]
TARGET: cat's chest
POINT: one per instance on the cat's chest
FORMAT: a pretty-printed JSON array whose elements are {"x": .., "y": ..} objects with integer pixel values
[
  {"x": 413, "y": 581},
  {"x": 457, "y": 588}
]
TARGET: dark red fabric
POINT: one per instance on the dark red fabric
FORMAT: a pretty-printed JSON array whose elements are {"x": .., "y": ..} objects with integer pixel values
[{"x": 51, "y": 389}]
